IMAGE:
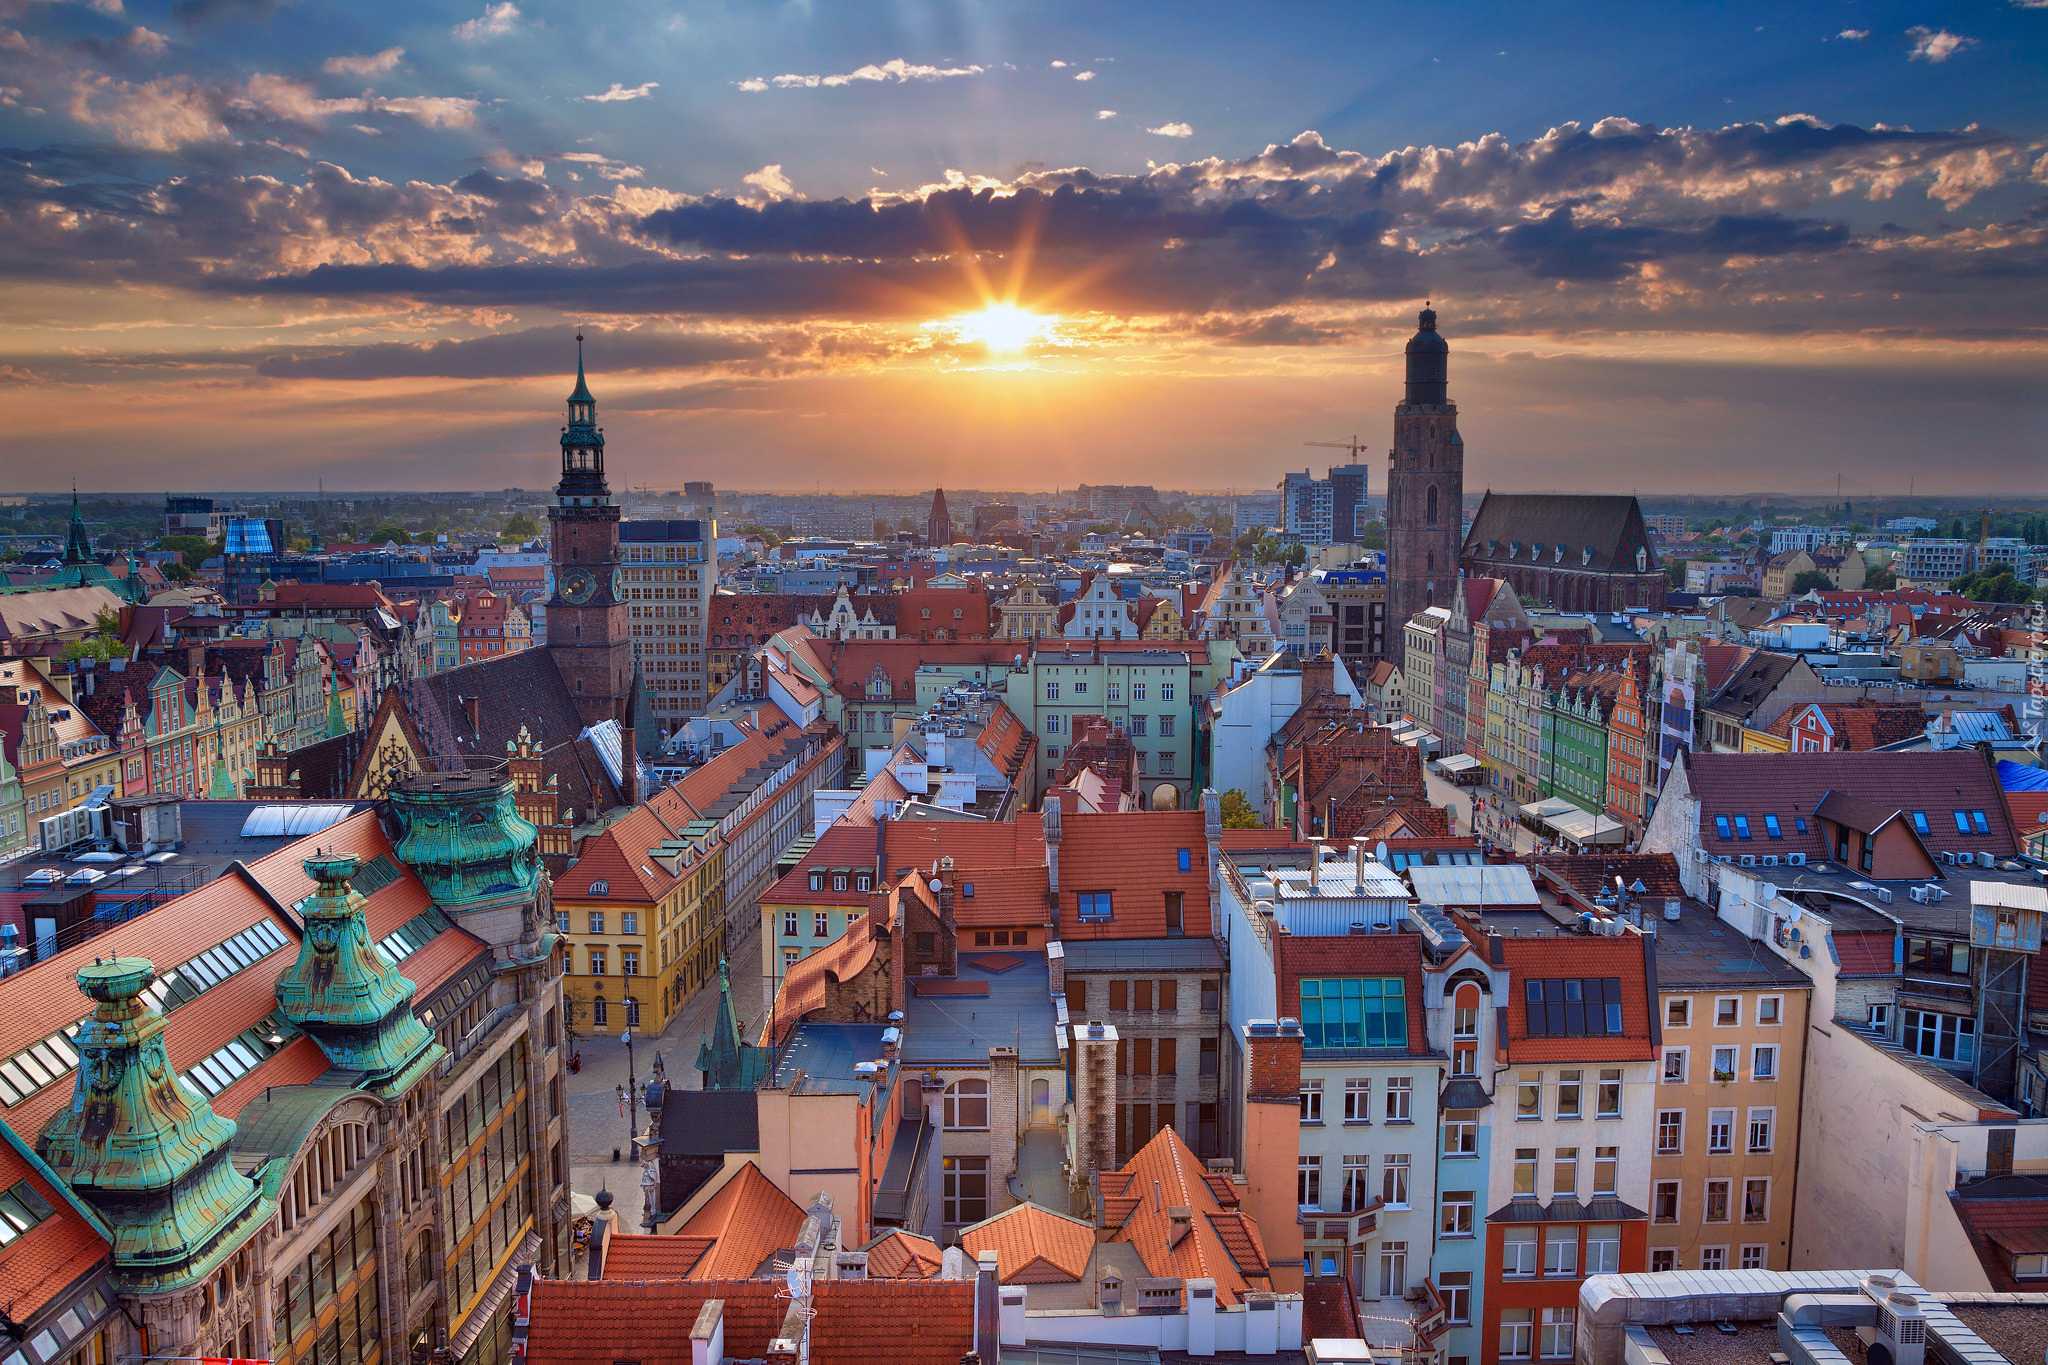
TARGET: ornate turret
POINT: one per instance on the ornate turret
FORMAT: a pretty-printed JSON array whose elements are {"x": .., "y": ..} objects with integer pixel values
[
  {"x": 1429, "y": 363},
  {"x": 582, "y": 439},
  {"x": 144, "y": 1148},
  {"x": 465, "y": 840},
  {"x": 351, "y": 1001}
]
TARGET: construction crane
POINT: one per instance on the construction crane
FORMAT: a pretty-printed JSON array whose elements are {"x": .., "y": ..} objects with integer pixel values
[{"x": 1353, "y": 445}]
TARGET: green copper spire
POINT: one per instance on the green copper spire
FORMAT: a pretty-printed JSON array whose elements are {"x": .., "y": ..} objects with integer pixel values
[
  {"x": 77, "y": 545},
  {"x": 337, "y": 722},
  {"x": 727, "y": 1061},
  {"x": 352, "y": 1002},
  {"x": 582, "y": 394},
  {"x": 222, "y": 787},
  {"x": 144, "y": 1148}
]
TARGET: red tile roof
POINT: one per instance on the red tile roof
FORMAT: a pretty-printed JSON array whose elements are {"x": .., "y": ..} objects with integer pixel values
[
  {"x": 45, "y": 997},
  {"x": 1328, "y": 1309},
  {"x": 900, "y": 1255},
  {"x": 1622, "y": 957},
  {"x": 1221, "y": 1242},
  {"x": 51, "y": 1257},
  {"x": 1135, "y": 855},
  {"x": 1792, "y": 785},
  {"x": 854, "y": 1322},
  {"x": 749, "y": 1220},
  {"x": 807, "y": 984},
  {"x": 1858, "y": 725},
  {"x": 1003, "y": 860},
  {"x": 619, "y": 858},
  {"x": 1873, "y": 955},
  {"x": 637, "y": 1256},
  {"x": 841, "y": 845},
  {"x": 1033, "y": 1245},
  {"x": 930, "y": 1322}
]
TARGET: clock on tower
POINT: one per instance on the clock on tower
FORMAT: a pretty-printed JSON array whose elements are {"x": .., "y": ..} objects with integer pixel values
[{"x": 588, "y": 631}]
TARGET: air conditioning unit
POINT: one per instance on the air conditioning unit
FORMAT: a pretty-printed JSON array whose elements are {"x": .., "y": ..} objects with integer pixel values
[
  {"x": 1770, "y": 860},
  {"x": 1948, "y": 857},
  {"x": 1919, "y": 894},
  {"x": 1726, "y": 859},
  {"x": 1796, "y": 859},
  {"x": 1984, "y": 859},
  {"x": 1749, "y": 860},
  {"x": 1936, "y": 893},
  {"x": 1700, "y": 855}
]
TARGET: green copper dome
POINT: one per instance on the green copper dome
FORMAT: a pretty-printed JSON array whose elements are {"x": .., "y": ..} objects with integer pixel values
[
  {"x": 144, "y": 1148},
  {"x": 466, "y": 841},
  {"x": 344, "y": 995}
]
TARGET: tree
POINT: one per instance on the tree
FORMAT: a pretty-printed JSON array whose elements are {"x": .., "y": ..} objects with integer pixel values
[
  {"x": 1674, "y": 569},
  {"x": 390, "y": 535},
  {"x": 1957, "y": 531},
  {"x": 1881, "y": 580},
  {"x": 518, "y": 526},
  {"x": 1811, "y": 580},
  {"x": 1238, "y": 812},
  {"x": 1371, "y": 536},
  {"x": 1991, "y": 586},
  {"x": 104, "y": 643},
  {"x": 194, "y": 550}
]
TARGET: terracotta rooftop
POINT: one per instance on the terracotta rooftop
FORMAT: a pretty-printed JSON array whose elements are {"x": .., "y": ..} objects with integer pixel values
[
  {"x": 854, "y": 1322},
  {"x": 900, "y": 1255},
  {"x": 1033, "y": 1245},
  {"x": 1136, "y": 856},
  {"x": 748, "y": 1221},
  {"x": 638, "y": 1256},
  {"x": 1220, "y": 1241},
  {"x": 54, "y": 1255}
]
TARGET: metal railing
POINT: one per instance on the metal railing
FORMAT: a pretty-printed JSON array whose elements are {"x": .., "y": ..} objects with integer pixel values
[{"x": 478, "y": 1036}]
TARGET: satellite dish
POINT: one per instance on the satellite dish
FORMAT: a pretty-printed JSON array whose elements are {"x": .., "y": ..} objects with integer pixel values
[
  {"x": 937, "y": 886},
  {"x": 1381, "y": 851}
]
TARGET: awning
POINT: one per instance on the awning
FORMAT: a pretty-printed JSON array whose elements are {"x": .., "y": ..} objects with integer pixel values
[
  {"x": 1584, "y": 827},
  {"x": 1548, "y": 807},
  {"x": 1457, "y": 763}
]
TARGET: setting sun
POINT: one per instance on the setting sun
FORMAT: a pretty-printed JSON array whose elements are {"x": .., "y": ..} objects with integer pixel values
[{"x": 1002, "y": 327}]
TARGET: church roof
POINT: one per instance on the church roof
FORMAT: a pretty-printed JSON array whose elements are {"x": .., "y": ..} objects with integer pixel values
[
  {"x": 478, "y": 709},
  {"x": 1609, "y": 525}
]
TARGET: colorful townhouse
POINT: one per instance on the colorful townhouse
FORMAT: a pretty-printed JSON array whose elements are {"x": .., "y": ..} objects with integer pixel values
[{"x": 1574, "y": 1085}]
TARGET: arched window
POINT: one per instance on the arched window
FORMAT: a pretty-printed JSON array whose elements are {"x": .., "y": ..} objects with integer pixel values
[
  {"x": 1432, "y": 504},
  {"x": 967, "y": 1104},
  {"x": 600, "y": 1012}
]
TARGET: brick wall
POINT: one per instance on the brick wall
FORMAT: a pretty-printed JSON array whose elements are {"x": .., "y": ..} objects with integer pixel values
[
  {"x": 1003, "y": 1128},
  {"x": 1272, "y": 1065}
]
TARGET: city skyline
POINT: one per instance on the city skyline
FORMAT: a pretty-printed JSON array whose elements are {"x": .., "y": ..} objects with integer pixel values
[{"x": 991, "y": 246}]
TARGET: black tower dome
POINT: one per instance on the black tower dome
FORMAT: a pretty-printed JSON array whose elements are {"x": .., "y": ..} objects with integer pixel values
[{"x": 1428, "y": 364}]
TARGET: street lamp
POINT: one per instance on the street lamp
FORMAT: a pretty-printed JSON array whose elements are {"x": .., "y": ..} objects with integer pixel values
[{"x": 632, "y": 1092}]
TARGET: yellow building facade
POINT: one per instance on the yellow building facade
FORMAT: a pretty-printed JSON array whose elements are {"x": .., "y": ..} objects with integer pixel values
[
  {"x": 1725, "y": 1139},
  {"x": 643, "y": 907}
]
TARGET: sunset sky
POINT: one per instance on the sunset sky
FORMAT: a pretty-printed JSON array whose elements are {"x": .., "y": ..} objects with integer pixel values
[{"x": 1731, "y": 247}]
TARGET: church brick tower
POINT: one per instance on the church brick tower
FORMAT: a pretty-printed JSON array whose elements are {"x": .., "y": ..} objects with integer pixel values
[
  {"x": 1425, "y": 489},
  {"x": 588, "y": 627},
  {"x": 938, "y": 527}
]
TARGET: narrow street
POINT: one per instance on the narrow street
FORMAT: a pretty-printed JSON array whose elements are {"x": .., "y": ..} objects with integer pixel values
[
  {"x": 1499, "y": 825},
  {"x": 600, "y": 1145}
]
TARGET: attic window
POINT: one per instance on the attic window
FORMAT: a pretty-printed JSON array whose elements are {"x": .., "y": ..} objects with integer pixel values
[
  {"x": 1186, "y": 859},
  {"x": 864, "y": 880},
  {"x": 1772, "y": 828},
  {"x": 21, "y": 1208},
  {"x": 600, "y": 888}
]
